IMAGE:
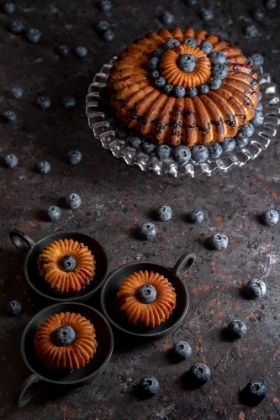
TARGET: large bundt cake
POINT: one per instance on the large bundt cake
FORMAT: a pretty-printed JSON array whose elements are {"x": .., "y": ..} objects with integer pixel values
[
  {"x": 146, "y": 298},
  {"x": 65, "y": 340},
  {"x": 67, "y": 266},
  {"x": 183, "y": 88}
]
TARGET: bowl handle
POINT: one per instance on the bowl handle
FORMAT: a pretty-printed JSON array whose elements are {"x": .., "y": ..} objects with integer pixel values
[
  {"x": 27, "y": 394},
  {"x": 184, "y": 263},
  {"x": 17, "y": 236}
]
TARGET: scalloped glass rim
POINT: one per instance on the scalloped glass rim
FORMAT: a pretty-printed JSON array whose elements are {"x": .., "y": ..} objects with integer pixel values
[{"x": 104, "y": 131}]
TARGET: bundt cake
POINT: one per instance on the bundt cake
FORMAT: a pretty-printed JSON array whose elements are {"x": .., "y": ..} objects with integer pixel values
[
  {"x": 67, "y": 266},
  {"x": 65, "y": 341},
  {"x": 183, "y": 88},
  {"x": 146, "y": 298}
]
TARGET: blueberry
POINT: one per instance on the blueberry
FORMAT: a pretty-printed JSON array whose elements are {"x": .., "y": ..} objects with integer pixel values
[
  {"x": 214, "y": 83},
  {"x": 248, "y": 129},
  {"x": 155, "y": 74},
  {"x": 33, "y": 35},
  {"x": 179, "y": 91},
  {"x": 9, "y": 8},
  {"x": 258, "y": 59},
  {"x": 256, "y": 288},
  {"x": 187, "y": 62},
  {"x": 63, "y": 50},
  {"x": 64, "y": 336},
  {"x": 171, "y": 43},
  {"x": 251, "y": 31},
  {"x": 68, "y": 263},
  {"x": 158, "y": 53},
  {"x": 103, "y": 25},
  {"x": 10, "y": 161},
  {"x": 203, "y": 89},
  {"x": 181, "y": 154},
  {"x": 191, "y": 3},
  {"x": 237, "y": 328},
  {"x": 199, "y": 373},
  {"x": 14, "y": 307},
  {"x": 134, "y": 141},
  {"x": 43, "y": 167},
  {"x": 121, "y": 132},
  {"x": 260, "y": 95},
  {"x": 258, "y": 15},
  {"x": 220, "y": 71},
  {"x": 68, "y": 102},
  {"x": 259, "y": 107},
  {"x": 270, "y": 217},
  {"x": 207, "y": 15},
  {"x": 181, "y": 350},
  {"x": 17, "y": 92},
  {"x": 164, "y": 213},
  {"x": 81, "y": 51},
  {"x": 149, "y": 386},
  {"x": 108, "y": 35},
  {"x": 271, "y": 4},
  {"x": 191, "y": 92},
  {"x": 74, "y": 157},
  {"x": 147, "y": 293},
  {"x": 17, "y": 27},
  {"x": 228, "y": 144},
  {"x": 253, "y": 393},
  {"x": 160, "y": 82},
  {"x": 148, "y": 231},
  {"x": 218, "y": 241},
  {"x": 167, "y": 89},
  {"x": 153, "y": 63},
  {"x": 199, "y": 153},
  {"x": 215, "y": 150},
  {"x": 73, "y": 201},
  {"x": 206, "y": 47},
  {"x": 190, "y": 41},
  {"x": 167, "y": 18},
  {"x": 163, "y": 152},
  {"x": 217, "y": 57},
  {"x": 44, "y": 102},
  {"x": 104, "y": 5},
  {"x": 196, "y": 216},
  {"x": 241, "y": 139},
  {"x": 148, "y": 147},
  {"x": 257, "y": 119},
  {"x": 53, "y": 213},
  {"x": 9, "y": 116}
]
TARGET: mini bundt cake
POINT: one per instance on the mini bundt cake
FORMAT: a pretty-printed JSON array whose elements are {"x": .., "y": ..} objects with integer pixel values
[
  {"x": 67, "y": 266},
  {"x": 146, "y": 298},
  {"x": 183, "y": 88},
  {"x": 65, "y": 341}
]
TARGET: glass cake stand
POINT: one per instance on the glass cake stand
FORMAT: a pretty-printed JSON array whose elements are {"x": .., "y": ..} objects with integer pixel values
[{"x": 103, "y": 129}]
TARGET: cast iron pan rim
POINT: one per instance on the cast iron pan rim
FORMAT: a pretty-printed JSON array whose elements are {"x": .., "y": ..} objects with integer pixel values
[
  {"x": 137, "y": 334},
  {"x": 81, "y": 380}
]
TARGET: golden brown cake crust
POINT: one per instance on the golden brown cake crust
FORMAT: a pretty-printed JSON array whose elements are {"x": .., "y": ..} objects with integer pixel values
[
  {"x": 163, "y": 119},
  {"x": 143, "y": 314},
  {"x": 69, "y": 357},
  {"x": 59, "y": 280}
]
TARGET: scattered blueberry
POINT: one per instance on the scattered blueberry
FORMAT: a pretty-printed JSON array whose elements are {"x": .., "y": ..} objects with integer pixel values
[
  {"x": 103, "y": 25},
  {"x": 68, "y": 263},
  {"x": 73, "y": 201},
  {"x": 17, "y": 27},
  {"x": 218, "y": 241},
  {"x": 247, "y": 129},
  {"x": 10, "y": 161},
  {"x": 217, "y": 57},
  {"x": 220, "y": 71},
  {"x": 17, "y": 92},
  {"x": 148, "y": 231},
  {"x": 258, "y": 59},
  {"x": 74, "y": 157},
  {"x": 179, "y": 91},
  {"x": 237, "y": 328},
  {"x": 63, "y": 50},
  {"x": 206, "y": 47},
  {"x": 270, "y": 217},
  {"x": 134, "y": 141},
  {"x": 199, "y": 153},
  {"x": 167, "y": 18},
  {"x": 148, "y": 147},
  {"x": 108, "y": 35},
  {"x": 241, "y": 139},
  {"x": 251, "y": 31},
  {"x": 104, "y": 5},
  {"x": 9, "y": 116},
  {"x": 14, "y": 307},
  {"x": 167, "y": 89},
  {"x": 64, "y": 336},
  {"x": 158, "y": 53},
  {"x": 191, "y": 92},
  {"x": 149, "y": 386},
  {"x": 207, "y": 15},
  {"x": 203, "y": 89},
  {"x": 147, "y": 293},
  {"x": 81, "y": 51},
  {"x": 199, "y": 373},
  {"x": 215, "y": 83},
  {"x": 258, "y": 15},
  {"x": 9, "y": 8},
  {"x": 253, "y": 393},
  {"x": 153, "y": 63},
  {"x": 196, "y": 216},
  {"x": 164, "y": 213},
  {"x": 256, "y": 288},
  {"x": 181, "y": 350},
  {"x": 163, "y": 152},
  {"x": 33, "y": 35},
  {"x": 43, "y": 167},
  {"x": 44, "y": 102},
  {"x": 160, "y": 82},
  {"x": 215, "y": 150},
  {"x": 68, "y": 102},
  {"x": 190, "y": 41},
  {"x": 258, "y": 118},
  {"x": 271, "y": 4},
  {"x": 181, "y": 154},
  {"x": 53, "y": 213},
  {"x": 171, "y": 43},
  {"x": 228, "y": 144}
]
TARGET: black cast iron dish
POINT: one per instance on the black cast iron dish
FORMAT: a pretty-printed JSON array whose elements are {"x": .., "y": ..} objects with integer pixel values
[
  {"x": 33, "y": 250},
  {"x": 79, "y": 377},
  {"x": 109, "y": 301}
]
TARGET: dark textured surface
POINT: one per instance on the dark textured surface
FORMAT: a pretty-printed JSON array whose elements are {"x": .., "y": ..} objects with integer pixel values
[{"x": 116, "y": 199}]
